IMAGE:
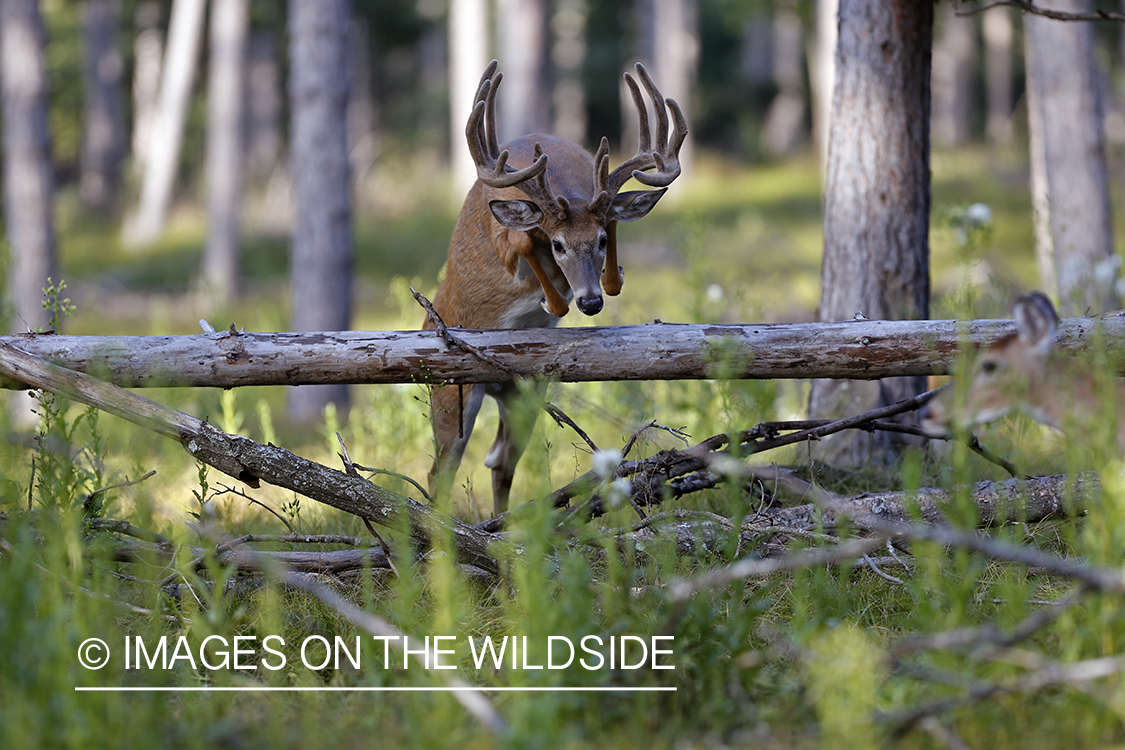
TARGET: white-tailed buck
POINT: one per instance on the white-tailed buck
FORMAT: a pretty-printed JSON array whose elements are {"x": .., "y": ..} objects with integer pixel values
[
  {"x": 1022, "y": 372},
  {"x": 537, "y": 230}
]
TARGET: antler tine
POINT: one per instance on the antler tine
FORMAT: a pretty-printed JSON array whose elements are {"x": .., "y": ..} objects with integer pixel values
[
  {"x": 664, "y": 153},
  {"x": 667, "y": 160},
  {"x": 490, "y": 113},
  {"x": 480, "y": 133},
  {"x": 657, "y": 105}
]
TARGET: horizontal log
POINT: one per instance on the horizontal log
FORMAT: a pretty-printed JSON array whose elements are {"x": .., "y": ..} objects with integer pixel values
[{"x": 858, "y": 349}]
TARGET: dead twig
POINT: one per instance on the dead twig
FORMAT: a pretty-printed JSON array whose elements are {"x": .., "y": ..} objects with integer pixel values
[
  {"x": 89, "y": 499},
  {"x": 452, "y": 341},
  {"x": 1058, "y": 15},
  {"x": 561, "y": 419}
]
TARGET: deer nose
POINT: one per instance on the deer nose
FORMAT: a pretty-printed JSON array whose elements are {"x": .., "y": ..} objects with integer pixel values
[{"x": 590, "y": 305}]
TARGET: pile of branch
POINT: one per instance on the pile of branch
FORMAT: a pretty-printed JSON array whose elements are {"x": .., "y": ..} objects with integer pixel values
[{"x": 883, "y": 519}]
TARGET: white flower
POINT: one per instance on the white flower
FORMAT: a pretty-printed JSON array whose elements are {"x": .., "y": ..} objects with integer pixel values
[
  {"x": 978, "y": 214},
  {"x": 604, "y": 463}
]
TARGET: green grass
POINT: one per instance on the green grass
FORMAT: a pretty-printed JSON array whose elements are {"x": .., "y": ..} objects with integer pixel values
[{"x": 787, "y": 661}]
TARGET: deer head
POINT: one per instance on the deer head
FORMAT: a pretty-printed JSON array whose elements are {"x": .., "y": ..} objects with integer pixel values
[{"x": 580, "y": 227}]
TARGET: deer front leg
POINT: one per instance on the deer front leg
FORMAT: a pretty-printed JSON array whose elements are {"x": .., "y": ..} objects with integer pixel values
[
  {"x": 453, "y": 410},
  {"x": 520, "y": 243},
  {"x": 612, "y": 278}
]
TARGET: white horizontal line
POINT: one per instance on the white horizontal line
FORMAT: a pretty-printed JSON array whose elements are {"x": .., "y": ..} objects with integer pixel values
[{"x": 446, "y": 689}]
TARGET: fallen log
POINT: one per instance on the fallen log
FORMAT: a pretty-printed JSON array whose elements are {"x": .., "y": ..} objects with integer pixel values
[{"x": 856, "y": 349}]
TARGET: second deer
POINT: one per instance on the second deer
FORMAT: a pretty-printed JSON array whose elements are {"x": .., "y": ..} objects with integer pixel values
[
  {"x": 537, "y": 230},
  {"x": 1023, "y": 372}
]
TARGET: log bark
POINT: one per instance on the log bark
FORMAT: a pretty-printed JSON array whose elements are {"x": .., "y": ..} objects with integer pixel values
[
  {"x": 1024, "y": 500},
  {"x": 861, "y": 349}
]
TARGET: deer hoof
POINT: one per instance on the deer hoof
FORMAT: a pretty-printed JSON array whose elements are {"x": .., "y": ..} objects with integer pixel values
[{"x": 557, "y": 313}]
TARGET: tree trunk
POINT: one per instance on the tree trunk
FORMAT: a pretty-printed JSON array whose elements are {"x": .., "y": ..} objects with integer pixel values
[
  {"x": 28, "y": 179},
  {"x": 148, "y": 57},
  {"x": 784, "y": 127},
  {"x": 877, "y": 204},
  {"x": 1061, "y": 63},
  {"x": 822, "y": 74},
  {"x": 103, "y": 126},
  {"x": 185, "y": 27},
  {"x": 321, "y": 265},
  {"x": 522, "y": 35},
  {"x": 954, "y": 64},
  {"x": 1040, "y": 207},
  {"x": 263, "y": 107},
  {"x": 468, "y": 56},
  {"x": 670, "y": 51},
  {"x": 362, "y": 110},
  {"x": 998, "y": 33},
  {"x": 568, "y": 53},
  {"x": 225, "y": 162}
]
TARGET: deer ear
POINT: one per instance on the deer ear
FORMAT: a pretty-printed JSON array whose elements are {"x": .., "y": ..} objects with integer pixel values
[
  {"x": 634, "y": 205},
  {"x": 522, "y": 216},
  {"x": 1036, "y": 322}
]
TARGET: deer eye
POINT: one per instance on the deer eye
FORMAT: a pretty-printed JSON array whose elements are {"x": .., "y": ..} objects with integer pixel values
[
  {"x": 558, "y": 247},
  {"x": 988, "y": 366},
  {"x": 602, "y": 242}
]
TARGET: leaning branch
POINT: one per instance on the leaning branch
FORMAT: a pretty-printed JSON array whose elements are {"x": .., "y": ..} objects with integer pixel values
[{"x": 251, "y": 462}]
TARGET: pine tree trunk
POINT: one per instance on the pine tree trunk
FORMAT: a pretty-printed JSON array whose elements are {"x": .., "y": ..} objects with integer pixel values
[
  {"x": 522, "y": 36},
  {"x": 877, "y": 204},
  {"x": 1061, "y": 64},
  {"x": 103, "y": 126},
  {"x": 468, "y": 56},
  {"x": 784, "y": 127},
  {"x": 321, "y": 266},
  {"x": 822, "y": 74},
  {"x": 162, "y": 158},
  {"x": 225, "y": 162},
  {"x": 148, "y": 58},
  {"x": 568, "y": 53},
  {"x": 998, "y": 32},
  {"x": 28, "y": 179},
  {"x": 670, "y": 51},
  {"x": 954, "y": 65}
]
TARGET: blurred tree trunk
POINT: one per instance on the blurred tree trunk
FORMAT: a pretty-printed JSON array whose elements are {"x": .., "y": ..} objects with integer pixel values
[
  {"x": 103, "y": 125},
  {"x": 568, "y": 54},
  {"x": 28, "y": 179},
  {"x": 185, "y": 27},
  {"x": 822, "y": 73},
  {"x": 1040, "y": 207},
  {"x": 670, "y": 51},
  {"x": 226, "y": 88},
  {"x": 321, "y": 258},
  {"x": 877, "y": 202},
  {"x": 468, "y": 56},
  {"x": 362, "y": 109},
  {"x": 954, "y": 68},
  {"x": 522, "y": 34},
  {"x": 148, "y": 57},
  {"x": 1061, "y": 64},
  {"x": 263, "y": 107},
  {"x": 784, "y": 127},
  {"x": 998, "y": 33}
]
